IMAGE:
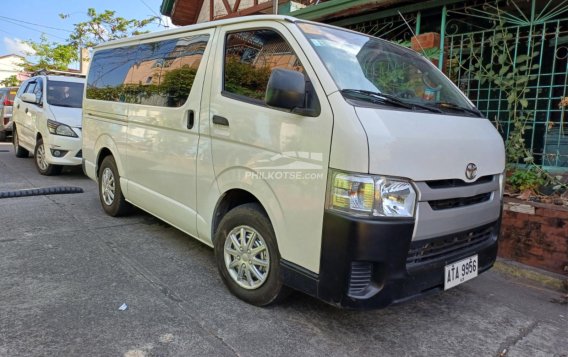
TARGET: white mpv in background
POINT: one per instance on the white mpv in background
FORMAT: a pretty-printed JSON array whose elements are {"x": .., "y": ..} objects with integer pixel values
[
  {"x": 47, "y": 121},
  {"x": 308, "y": 156}
]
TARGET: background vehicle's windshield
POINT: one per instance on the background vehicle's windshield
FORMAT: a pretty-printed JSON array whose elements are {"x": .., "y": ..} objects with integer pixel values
[
  {"x": 65, "y": 94},
  {"x": 356, "y": 61}
]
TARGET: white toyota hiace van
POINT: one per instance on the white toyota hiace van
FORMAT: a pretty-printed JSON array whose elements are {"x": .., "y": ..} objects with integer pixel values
[{"x": 309, "y": 156}]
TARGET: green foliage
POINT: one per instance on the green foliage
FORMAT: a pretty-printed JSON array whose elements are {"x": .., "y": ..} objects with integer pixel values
[
  {"x": 104, "y": 26},
  {"x": 510, "y": 72},
  {"x": 172, "y": 92},
  {"x": 50, "y": 55},
  {"x": 530, "y": 179},
  {"x": 394, "y": 78},
  {"x": 177, "y": 84},
  {"x": 244, "y": 79},
  {"x": 11, "y": 81},
  {"x": 100, "y": 27},
  {"x": 430, "y": 53}
]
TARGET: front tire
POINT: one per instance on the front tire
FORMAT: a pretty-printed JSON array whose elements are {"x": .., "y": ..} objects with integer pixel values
[
  {"x": 18, "y": 150},
  {"x": 247, "y": 256},
  {"x": 110, "y": 192},
  {"x": 40, "y": 157}
]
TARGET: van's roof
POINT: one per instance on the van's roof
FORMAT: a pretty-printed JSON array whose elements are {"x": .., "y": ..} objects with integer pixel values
[
  {"x": 200, "y": 26},
  {"x": 66, "y": 79}
]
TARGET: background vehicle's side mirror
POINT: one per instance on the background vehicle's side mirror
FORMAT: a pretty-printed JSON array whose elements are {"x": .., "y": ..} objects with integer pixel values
[
  {"x": 286, "y": 89},
  {"x": 29, "y": 98}
]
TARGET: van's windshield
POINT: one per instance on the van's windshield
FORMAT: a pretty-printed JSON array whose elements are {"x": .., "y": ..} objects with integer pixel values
[{"x": 373, "y": 70}]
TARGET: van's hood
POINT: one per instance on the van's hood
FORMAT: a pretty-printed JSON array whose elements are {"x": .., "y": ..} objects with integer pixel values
[
  {"x": 65, "y": 115},
  {"x": 423, "y": 146}
]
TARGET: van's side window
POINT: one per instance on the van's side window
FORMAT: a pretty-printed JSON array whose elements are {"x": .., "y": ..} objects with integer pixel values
[
  {"x": 109, "y": 72},
  {"x": 250, "y": 57},
  {"x": 165, "y": 71}
]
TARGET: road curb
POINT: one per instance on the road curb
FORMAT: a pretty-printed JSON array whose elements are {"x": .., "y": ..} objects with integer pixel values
[{"x": 541, "y": 277}]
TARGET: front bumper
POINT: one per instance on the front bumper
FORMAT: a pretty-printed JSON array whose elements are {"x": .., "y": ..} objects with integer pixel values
[
  {"x": 70, "y": 146},
  {"x": 366, "y": 263}
]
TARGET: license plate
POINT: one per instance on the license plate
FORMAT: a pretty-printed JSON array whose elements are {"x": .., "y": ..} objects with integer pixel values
[{"x": 460, "y": 272}]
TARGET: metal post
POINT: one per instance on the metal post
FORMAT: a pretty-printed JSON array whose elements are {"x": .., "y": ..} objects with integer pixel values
[
  {"x": 275, "y": 6},
  {"x": 442, "y": 37},
  {"x": 418, "y": 20}
]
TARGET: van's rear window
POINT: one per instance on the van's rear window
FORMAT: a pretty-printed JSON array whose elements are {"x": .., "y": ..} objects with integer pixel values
[{"x": 158, "y": 73}]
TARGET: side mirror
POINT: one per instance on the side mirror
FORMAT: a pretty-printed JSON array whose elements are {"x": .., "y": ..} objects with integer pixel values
[
  {"x": 29, "y": 98},
  {"x": 286, "y": 89}
]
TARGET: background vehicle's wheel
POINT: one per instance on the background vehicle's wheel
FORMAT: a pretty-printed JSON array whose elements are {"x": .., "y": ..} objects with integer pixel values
[
  {"x": 18, "y": 150},
  {"x": 110, "y": 193},
  {"x": 247, "y": 256},
  {"x": 40, "y": 161}
]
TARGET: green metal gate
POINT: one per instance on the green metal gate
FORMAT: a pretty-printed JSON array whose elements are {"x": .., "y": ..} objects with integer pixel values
[{"x": 535, "y": 26}]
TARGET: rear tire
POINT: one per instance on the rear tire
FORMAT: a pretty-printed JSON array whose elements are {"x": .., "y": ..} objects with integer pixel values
[
  {"x": 40, "y": 161},
  {"x": 247, "y": 256},
  {"x": 18, "y": 150},
  {"x": 110, "y": 192}
]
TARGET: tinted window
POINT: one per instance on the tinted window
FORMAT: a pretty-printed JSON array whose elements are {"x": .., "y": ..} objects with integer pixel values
[
  {"x": 65, "y": 94},
  {"x": 35, "y": 87},
  {"x": 249, "y": 59},
  {"x": 165, "y": 71},
  {"x": 158, "y": 73},
  {"x": 109, "y": 72}
]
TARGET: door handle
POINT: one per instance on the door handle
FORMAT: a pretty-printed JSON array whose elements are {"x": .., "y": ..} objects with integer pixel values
[
  {"x": 26, "y": 110},
  {"x": 18, "y": 107},
  {"x": 220, "y": 120},
  {"x": 190, "y": 119}
]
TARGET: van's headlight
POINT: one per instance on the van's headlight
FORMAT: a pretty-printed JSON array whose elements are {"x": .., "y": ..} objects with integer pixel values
[
  {"x": 371, "y": 196},
  {"x": 56, "y": 128}
]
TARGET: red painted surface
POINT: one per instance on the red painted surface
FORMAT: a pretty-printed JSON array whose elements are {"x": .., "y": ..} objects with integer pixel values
[
  {"x": 425, "y": 41},
  {"x": 539, "y": 240}
]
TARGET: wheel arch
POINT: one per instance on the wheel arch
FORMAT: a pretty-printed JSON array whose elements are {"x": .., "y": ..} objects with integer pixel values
[
  {"x": 236, "y": 191},
  {"x": 104, "y": 147},
  {"x": 229, "y": 200}
]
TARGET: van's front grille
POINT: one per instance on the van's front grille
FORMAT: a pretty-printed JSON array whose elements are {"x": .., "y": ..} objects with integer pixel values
[
  {"x": 425, "y": 251},
  {"x": 437, "y": 205},
  {"x": 435, "y": 184}
]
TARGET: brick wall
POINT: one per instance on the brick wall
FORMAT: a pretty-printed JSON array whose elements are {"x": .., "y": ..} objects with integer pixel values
[{"x": 535, "y": 234}]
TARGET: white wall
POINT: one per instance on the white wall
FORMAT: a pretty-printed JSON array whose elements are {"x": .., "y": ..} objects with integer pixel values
[{"x": 9, "y": 66}]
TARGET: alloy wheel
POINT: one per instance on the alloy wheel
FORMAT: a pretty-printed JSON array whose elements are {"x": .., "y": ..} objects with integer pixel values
[
  {"x": 108, "y": 187},
  {"x": 246, "y": 257},
  {"x": 40, "y": 158}
]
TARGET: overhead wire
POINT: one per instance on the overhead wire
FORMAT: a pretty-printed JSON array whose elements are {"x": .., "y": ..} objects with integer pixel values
[
  {"x": 31, "y": 28},
  {"x": 34, "y": 24},
  {"x": 155, "y": 13}
]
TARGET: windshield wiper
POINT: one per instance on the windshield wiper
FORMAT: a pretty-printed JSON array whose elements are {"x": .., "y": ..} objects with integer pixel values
[
  {"x": 390, "y": 99},
  {"x": 375, "y": 97},
  {"x": 454, "y": 106}
]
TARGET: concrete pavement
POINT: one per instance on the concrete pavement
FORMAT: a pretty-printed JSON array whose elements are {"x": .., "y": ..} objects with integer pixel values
[{"x": 66, "y": 267}]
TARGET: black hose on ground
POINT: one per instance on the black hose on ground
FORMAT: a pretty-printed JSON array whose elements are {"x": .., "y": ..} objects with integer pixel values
[{"x": 41, "y": 192}]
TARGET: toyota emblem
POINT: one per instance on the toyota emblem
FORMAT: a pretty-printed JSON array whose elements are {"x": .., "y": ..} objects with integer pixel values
[{"x": 471, "y": 171}]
